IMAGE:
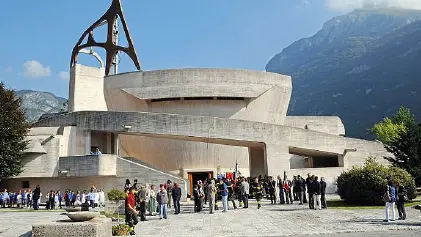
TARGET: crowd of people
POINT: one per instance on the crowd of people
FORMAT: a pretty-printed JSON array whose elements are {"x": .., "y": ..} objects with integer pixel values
[
  {"x": 143, "y": 200},
  {"x": 281, "y": 190},
  {"x": 26, "y": 198}
]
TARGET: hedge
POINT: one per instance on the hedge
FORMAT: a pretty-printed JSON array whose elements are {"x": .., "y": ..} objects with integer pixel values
[{"x": 365, "y": 185}]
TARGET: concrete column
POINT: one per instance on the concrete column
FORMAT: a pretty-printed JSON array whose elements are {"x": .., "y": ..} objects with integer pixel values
[
  {"x": 276, "y": 159},
  {"x": 117, "y": 144},
  {"x": 88, "y": 142},
  {"x": 109, "y": 143},
  {"x": 86, "y": 89}
]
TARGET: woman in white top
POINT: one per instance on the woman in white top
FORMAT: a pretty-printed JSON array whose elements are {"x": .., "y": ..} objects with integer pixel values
[
  {"x": 101, "y": 198},
  {"x": 19, "y": 199},
  {"x": 78, "y": 200},
  {"x": 96, "y": 200}
]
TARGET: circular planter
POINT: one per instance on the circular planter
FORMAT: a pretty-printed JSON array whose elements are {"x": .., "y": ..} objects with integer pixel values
[
  {"x": 73, "y": 209},
  {"x": 81, "y": 216}
]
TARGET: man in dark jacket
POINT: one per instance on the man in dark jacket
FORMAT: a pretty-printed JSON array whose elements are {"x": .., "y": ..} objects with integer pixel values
[
  {"x": 323, "y": 193},
  {"x": 316, "y": 193},
  {"x": 272, "y": 188},
  {"x": 299, "y": 189},
  {"x": 176, "y": 195},
  {"x": 310, "y": 191},
  {"x": 36, "y": 196}
]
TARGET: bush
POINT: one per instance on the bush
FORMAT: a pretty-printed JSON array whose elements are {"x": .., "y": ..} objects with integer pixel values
[
  {"x": 366, "y": 185},
  {"x": 116, "y": 195},
  {"x": 121, "y": 230}
]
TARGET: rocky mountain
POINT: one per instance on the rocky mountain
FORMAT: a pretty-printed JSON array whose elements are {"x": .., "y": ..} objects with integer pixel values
[
  {"x": 361, "y": 66},
  {"x": 36, "y": 103}
]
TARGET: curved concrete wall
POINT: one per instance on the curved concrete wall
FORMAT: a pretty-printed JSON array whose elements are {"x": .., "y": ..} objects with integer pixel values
[{"x": 267, "y": 96}]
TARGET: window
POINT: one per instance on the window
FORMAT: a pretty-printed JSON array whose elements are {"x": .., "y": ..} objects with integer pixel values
[
  {"x": 25, "y": 184},
  {"x": 165, "y": 99}
]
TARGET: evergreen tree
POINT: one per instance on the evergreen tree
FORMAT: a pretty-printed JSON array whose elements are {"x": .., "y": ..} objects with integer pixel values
[
  {"x": 407, "y": 151},
  {"x": 13, "y": 130}
]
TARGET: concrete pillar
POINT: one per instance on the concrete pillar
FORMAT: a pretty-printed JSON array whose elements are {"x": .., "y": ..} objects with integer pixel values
[
  {"x": 86, "y": 89},
  {"x": 276, "y": 159}
]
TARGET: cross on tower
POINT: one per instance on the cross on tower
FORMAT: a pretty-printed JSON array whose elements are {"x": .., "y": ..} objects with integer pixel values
[{"x": 111, "y": 44}]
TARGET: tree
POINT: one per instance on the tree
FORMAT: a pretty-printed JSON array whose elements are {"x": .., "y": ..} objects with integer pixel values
[
  {"x": 403, "y": 116},
  {"x": 390, "y": 129},
  {"x": 386, "y": 131},
  {"x": 13, "y": 130},
  {"x": 407, "y": 152}
]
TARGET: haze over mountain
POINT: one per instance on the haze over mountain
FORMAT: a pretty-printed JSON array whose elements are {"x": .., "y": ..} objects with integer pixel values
[{"x": 360, "y": 66}]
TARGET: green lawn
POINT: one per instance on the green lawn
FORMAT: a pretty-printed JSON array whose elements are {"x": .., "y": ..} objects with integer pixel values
[{"x": 340, "y": 204}]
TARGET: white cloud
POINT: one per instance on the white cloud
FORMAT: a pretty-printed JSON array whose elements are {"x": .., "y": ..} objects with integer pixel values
[
  {"x": 35, "y": 69},
  {"x": 351, "y": 4},
  {"x": 64, "y": 75}
]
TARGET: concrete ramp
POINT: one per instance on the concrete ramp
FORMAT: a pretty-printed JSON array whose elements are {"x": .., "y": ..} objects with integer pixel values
[{"x": 131, "y": 168}]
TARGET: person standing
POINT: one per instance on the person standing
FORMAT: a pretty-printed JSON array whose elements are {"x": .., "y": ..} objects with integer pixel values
[
  {"x": 169, "y": 187},
  {"x": 310, "y": 190},
  {"x": 224, "y": 193},
  {"x": 272, "y": 188},
  {"x": 142, "y": 203},
  {"x": 323, "y": 193},
  {"x": 245, "y": 191},
  {"x": 152, "y": 201},
  {"x": 390, "y": 199},
  {"x": 316, "y": 193},
  {"x": 162, "y": 198},
  {"x": 211, "y": 196},
  {"x": 281, "y": 190},
  {"x": 127, "y": 185},
  {"x": 400, "y": 203},
  {"x": 287, "y": 187},
  {"x": 176, "y": 196},
  {"x": 231, "y": 193},
  {"x": 131, "y": 213},
  {"x": 257, "y": 192},
  {"x": 36, "y": 196},
  {"x": 298, "y": 188}
]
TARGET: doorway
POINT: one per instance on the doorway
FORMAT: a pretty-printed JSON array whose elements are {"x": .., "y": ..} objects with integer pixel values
[{"x": 196, "y": 176}]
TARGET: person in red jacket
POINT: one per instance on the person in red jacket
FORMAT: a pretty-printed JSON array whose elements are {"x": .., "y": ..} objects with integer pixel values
[
  {"x": 288, "y": 195},
  {"x": 131, "y": 213}
]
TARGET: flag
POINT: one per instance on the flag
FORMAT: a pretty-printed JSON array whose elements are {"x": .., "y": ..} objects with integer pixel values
[{"x": 236, "y": 170}]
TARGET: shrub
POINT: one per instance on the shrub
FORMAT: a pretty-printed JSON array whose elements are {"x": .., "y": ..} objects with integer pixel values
[
  {"x": 120, "y": 230},
  {"x": 116, "y": 195},
  {"x": 365, "y": 185}
]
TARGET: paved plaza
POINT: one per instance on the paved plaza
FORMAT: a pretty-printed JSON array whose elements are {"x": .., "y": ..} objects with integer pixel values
[{"x": 270, "y": 220}]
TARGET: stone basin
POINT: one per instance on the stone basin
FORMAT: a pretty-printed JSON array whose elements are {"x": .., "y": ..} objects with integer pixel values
[
  {"x": 82, "y": 216},
  {"x": 73, "y": 209}
]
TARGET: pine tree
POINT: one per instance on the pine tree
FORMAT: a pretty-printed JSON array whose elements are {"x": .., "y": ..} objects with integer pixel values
[{"x": 13, "y": 130}]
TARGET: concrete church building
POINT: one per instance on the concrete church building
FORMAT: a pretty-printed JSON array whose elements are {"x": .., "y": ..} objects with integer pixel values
[{"x": 182, "y": 125}]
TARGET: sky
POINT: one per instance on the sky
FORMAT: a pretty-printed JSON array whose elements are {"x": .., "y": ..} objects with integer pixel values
[{"x": 37, "y": 37}]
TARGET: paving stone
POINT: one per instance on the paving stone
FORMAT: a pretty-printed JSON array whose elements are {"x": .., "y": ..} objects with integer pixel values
[{"x": 270, "y": 220}]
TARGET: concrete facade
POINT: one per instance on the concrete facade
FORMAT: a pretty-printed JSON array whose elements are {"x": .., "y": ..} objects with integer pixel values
[{"x": 166, "y": 124}]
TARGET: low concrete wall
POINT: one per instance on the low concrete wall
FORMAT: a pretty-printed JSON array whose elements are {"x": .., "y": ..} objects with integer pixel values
[
  {"x": 91, "y": 165},
  {"x": 97, "y": 227}
]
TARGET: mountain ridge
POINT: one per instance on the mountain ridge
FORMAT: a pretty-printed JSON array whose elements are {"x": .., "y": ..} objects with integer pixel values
[{"x": 377, "y": 68}]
